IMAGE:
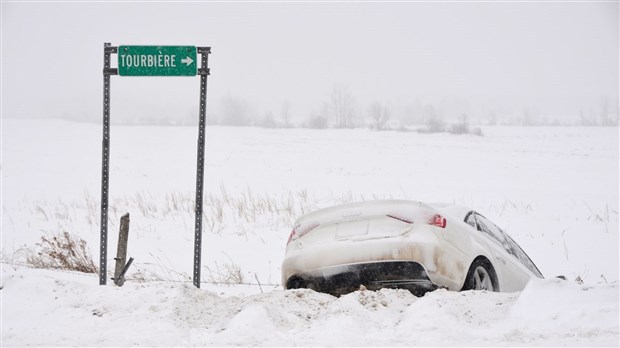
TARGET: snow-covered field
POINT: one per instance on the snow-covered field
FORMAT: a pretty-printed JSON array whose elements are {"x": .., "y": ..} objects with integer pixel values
[{"x": 555, "y": 190}]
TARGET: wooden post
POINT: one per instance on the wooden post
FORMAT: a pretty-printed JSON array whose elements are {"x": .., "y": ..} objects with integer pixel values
[{"x": 121, "y": 251}]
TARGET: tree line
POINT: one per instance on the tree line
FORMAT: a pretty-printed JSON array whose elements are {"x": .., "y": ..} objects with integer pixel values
[{"x": 342, "y": 110}]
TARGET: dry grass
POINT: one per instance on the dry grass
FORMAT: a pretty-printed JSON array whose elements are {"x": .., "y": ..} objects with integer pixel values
[
  {"x": 228, "y": 273},
  {"x": 246, "y": 214},
  {"x": 63, "y": 251}
]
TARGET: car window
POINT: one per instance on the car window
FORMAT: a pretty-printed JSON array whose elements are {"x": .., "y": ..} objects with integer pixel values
[
  {"x": 470, "y": 219},
  {"x": 489, "y": 228},
  {"x": 522, "y": 257}
]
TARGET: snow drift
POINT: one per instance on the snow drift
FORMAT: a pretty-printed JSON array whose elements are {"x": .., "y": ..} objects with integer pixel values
[{"x": 44, "y": 307}]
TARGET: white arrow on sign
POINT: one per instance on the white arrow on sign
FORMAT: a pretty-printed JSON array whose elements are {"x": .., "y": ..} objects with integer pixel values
[{"x": 187, "y": 61}]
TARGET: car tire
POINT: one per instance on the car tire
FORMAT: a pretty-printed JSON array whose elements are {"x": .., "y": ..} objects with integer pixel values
[
  {"x": 481, "y": 276},
  {"x": 295, "y": 282}
]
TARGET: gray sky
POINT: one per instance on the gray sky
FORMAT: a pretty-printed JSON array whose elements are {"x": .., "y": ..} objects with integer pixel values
[{"x": 552, "y": 58}]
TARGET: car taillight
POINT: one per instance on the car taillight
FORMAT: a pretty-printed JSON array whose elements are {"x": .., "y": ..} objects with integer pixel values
[
  {"x": 438, "y": 220},
  {"x": 299, "y": 231},
  {"x": 435, "y": 220},
  {"x": 290, "y": 236}
]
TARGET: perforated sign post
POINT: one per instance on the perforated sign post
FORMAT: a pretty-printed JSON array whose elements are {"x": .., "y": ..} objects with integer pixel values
[{"x": 154, "y": 61}]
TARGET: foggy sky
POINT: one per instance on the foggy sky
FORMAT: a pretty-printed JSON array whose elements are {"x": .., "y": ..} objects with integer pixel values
[{"x": 554, "y": 58}]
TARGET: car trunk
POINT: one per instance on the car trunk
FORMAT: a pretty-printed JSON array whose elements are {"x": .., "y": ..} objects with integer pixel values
[{"x": 362, "y": 221}]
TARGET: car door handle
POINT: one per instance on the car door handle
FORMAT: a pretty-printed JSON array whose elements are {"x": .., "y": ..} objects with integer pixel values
[{"x": 500, "y": 259}]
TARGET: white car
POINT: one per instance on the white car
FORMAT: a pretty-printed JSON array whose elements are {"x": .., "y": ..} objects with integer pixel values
[{"x": 402, "y": 244}]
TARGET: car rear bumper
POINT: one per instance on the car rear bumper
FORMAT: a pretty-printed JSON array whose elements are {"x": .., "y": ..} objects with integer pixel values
[{"x": 342, "y": 279}]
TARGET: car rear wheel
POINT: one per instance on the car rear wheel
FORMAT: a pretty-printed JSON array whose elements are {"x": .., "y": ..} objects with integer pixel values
[{"x": 481, "y": 276}]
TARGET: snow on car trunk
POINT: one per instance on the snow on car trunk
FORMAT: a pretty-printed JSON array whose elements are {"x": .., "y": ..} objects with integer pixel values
[{"x": 362, "y": 221}]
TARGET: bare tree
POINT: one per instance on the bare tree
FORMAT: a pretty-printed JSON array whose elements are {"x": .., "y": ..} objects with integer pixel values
[
  {"x": 462, "y": 127},
  {"x": 608, "y": 119},
  {"x": 586, "y": 121},
  {"x": 268, "y": 120},
  {"x": 235, "y": 111},
  {"x": 492, "y": 120},
  {"x": 342, "y": 106},
  {"x": 379, "y": 115},
  {"x": 286, "y": 114},
  {"x": 433, "y": 122}
]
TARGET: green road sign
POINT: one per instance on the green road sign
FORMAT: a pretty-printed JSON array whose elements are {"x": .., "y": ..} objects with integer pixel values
[{"x": 157, "y": 60}]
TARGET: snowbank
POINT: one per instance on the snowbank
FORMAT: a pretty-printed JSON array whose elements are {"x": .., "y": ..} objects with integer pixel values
[{"x": 42, "y": 308}]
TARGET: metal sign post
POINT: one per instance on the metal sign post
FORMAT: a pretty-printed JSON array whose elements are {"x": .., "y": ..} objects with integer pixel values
[
  {"x": 105, "y": 162},
  {"x": 200, "y": 167},
  {"x": 153, "y": 61}
]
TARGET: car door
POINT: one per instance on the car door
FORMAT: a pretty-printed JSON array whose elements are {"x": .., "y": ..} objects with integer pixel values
[{"x": 511, "y": 273}]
